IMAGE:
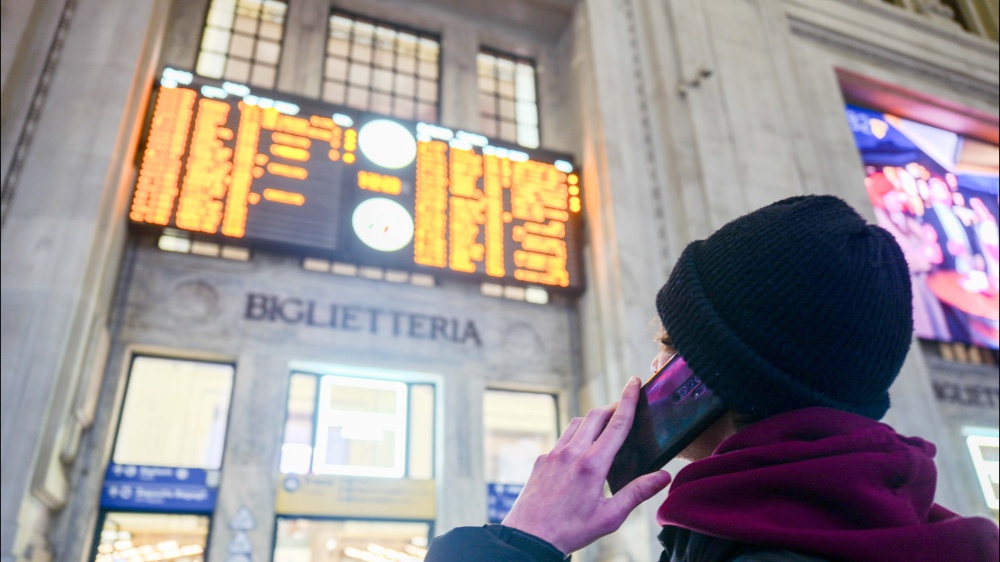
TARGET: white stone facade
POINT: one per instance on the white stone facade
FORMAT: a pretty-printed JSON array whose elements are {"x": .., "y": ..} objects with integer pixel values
[{"x": 683, "y": 115}]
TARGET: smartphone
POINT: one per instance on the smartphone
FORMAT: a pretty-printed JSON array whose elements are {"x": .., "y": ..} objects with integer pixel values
[{"x": 674, "y": 408}]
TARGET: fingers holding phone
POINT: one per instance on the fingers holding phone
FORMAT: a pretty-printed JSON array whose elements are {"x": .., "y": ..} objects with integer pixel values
[{"x": 563, "y": 501}]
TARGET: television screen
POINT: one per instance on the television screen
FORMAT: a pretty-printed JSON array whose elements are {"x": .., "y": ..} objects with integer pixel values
[{"x": 936, "y": 192}]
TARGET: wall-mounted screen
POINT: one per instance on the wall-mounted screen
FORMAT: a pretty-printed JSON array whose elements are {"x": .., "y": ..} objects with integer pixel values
[
  {"x": 231, "y": 163},
  {"x": 936, "y": 192}
]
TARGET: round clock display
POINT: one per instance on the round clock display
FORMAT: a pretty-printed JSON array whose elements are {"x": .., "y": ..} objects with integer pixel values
[{"x": 383, "y": 224}]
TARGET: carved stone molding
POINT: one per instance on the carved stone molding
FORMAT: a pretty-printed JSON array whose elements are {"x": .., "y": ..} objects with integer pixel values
[{"x": 835, "y": 23}]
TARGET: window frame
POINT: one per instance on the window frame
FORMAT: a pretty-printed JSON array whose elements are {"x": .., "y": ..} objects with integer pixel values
[
  {"x": 356, "y": 17},
  {"x": 120, "y": 409},
  {"x": 256, "y": 38},
  {"x": 409, "y": 378},
  {"x": 515, "y": 60}
]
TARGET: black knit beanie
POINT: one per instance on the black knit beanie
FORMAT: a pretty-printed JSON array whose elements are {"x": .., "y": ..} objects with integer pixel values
[{"x": 800, "y": 303}]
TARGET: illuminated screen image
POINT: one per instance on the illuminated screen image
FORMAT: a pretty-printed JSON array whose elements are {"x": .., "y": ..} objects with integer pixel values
[
  {"x": 936, "y": 192},
  {"x": 230, "y": 163}
]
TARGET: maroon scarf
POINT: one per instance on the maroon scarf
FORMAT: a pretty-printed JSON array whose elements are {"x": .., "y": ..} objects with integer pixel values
[{"x": 828, "y": 483}]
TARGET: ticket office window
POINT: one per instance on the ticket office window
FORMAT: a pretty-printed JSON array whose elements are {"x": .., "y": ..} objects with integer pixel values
[
  {"x": 381, "y": 67},
  {"x": 151, "y": 537},
  {"x": 242, "y": 41},
  {"x": 313, "y": 540},
  {"x": 358, "y": 426},
  {"x": 174, "y": 414},
  {"x": 519, "y": 427}
]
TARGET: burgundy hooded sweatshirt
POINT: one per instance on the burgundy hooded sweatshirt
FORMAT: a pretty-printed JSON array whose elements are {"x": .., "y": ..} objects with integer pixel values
[{"x": 827, "y": 483}]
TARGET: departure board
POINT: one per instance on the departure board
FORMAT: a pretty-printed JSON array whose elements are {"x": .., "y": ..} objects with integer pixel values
[{"x": 234, "y": 164}]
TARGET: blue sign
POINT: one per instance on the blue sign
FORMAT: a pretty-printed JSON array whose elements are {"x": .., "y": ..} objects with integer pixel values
[
  {"x": 160, "y": 488},
  {"x": 500, "y": 498}
]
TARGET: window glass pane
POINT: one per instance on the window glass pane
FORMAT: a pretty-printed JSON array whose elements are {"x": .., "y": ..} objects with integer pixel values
[
  {"x": 487, "y": 85},
  {"x": 270, "y": 30},
  {"x": 361, "y": 53},
  {"x": 174, "y": 414},
  {"x": 427, "y": 112},
  {"x": 247, "y": 30},
  {"x": 506, "y": 89},
  {"x": 338, "y": 46},
  {"x": 267, "y": 52},
  {"x": 487, "y": 105},
  {"x": 241, "y": 46},
  {"x": 246, "y": 24},
  {"x": 404, "y": 85},
  {"x": 509, "y": 82},
  {"x": 519, "y": 426},
  {"x": 527, "y": 135},
  {"x": 364, "y": 32},
  {"x": 428, "y": 69},
  {"x": 404, "y": 108},
  {"x": 359, "y": 75},
  {"x": 341, "y": 24},
  {"x": 221, "y": 13},
  {"x": 216, "y": 40},
  {"x": 152, "y": 536},
  {"x": 421, "y": 445},
  {"x": 525, "y": 85},
  {"x": 210, "y": 64},
  {"x": 263, "y": 75},
  {"x": 507, "y": 109},
  {"x": 429, "y": 50},
  {"x": 334, "y": 92},
  {"x": 385, "y": 59},
  {"x": 301, "y": 540},
  {"x": 427, "y": 90},
  {"x": 488, "y": 126},
  {"x": 274, "y": 10},
  {"x": 406, "y": 64},
  {"x": 381, "y": 103},
  {"x": 382, "y": 80},
  {"x": 238, "y": 70},
  {"x": 507, "y": 131},
  {"x": 361, "y": 425},
  {"x": 336, "y": 68},
  {"x": 357, "y": 97},
  {"x": 526, "y": 114},
  {"x": 296, "y": 450}
]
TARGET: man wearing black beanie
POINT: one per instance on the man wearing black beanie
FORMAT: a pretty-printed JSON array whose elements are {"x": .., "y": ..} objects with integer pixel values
[{"x": 798, "y": 316}]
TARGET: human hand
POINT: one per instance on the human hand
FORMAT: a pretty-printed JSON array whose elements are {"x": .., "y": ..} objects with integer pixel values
[{"x": 563, "y": 501}]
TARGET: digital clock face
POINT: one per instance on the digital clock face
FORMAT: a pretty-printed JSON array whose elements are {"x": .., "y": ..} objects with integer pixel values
[
  {"x": 231, "y": 163},
  {"x": 382, "y": 224}
]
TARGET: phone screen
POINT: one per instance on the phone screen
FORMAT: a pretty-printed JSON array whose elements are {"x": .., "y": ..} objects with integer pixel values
[{"x": 674, "y": 408}]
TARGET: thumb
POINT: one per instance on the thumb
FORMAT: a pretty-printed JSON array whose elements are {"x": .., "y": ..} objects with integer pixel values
[{"x": 639, "y": 490}]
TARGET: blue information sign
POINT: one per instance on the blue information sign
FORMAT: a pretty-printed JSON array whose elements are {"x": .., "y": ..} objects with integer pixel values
[
  {"x": 159, "y": 488},
  {"x": 501, "y": 498}
]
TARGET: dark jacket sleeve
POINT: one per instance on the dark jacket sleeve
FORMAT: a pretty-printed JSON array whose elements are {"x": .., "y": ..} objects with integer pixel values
[{"x": 489, "y": 544}]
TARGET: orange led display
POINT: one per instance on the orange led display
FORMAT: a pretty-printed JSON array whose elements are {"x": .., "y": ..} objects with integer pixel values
[
  {"x": 160, "y": 170},
  {"x": 209, "y": 162},
  {"x": 430, "y": 216},
  {"x": 372, "y": 181},
  {"x": 226, "y": 161}
]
